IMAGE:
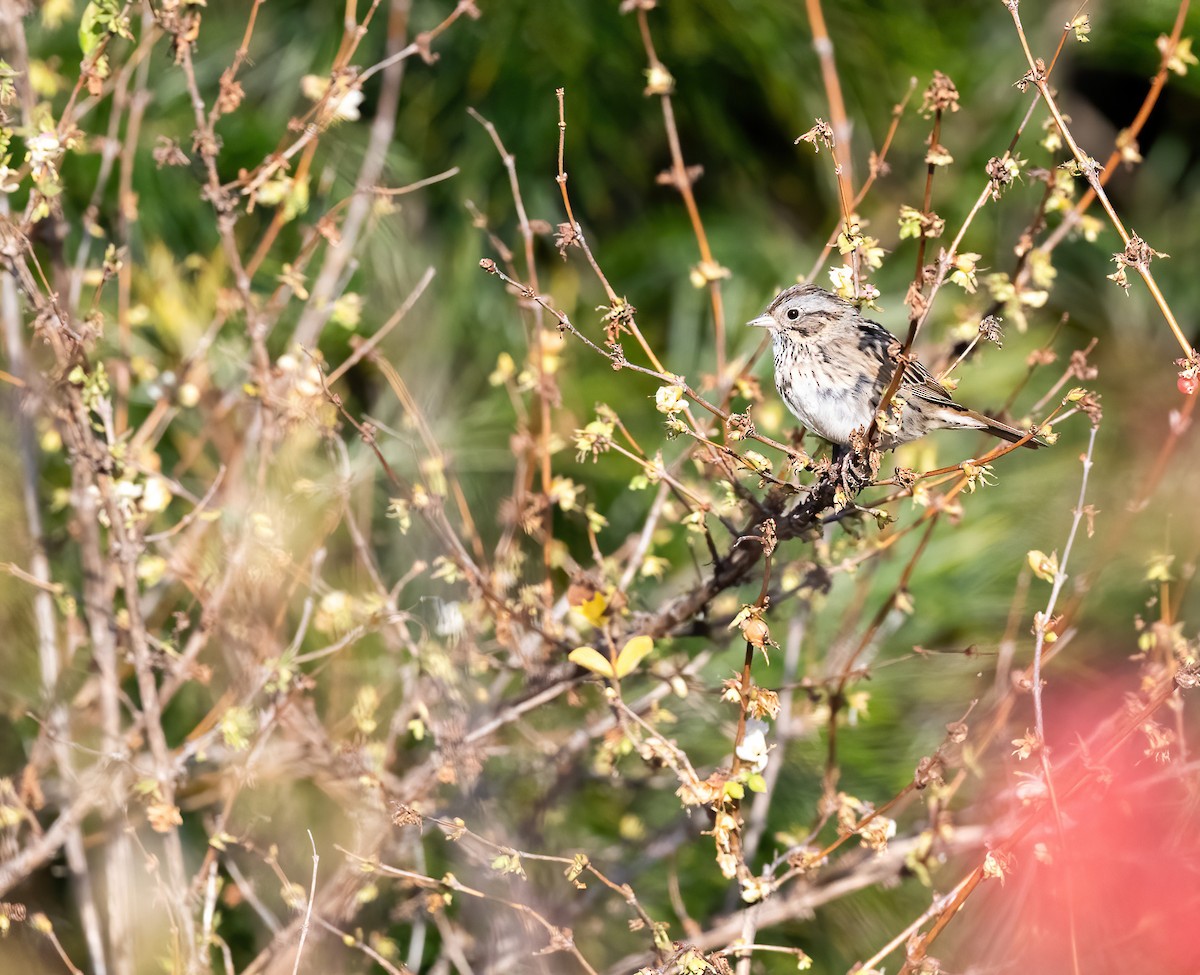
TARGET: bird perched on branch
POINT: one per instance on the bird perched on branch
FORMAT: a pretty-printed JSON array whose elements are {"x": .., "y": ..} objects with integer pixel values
[{"x": 832, "y": 366}]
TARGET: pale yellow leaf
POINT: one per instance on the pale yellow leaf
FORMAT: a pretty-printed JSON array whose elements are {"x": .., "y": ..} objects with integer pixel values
[
  {"x": 632, "y": 654},
  {"x": 591, "y": 659}
]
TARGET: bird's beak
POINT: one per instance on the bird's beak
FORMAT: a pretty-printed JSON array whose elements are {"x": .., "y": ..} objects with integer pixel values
[{"x": 763, "y": 321}]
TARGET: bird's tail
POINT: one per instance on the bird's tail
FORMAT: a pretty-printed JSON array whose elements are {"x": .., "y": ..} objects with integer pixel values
[{"x": 963, "y": 418}]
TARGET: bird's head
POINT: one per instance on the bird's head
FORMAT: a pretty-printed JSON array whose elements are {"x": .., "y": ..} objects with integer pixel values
[{"x": 803, "y": 309}]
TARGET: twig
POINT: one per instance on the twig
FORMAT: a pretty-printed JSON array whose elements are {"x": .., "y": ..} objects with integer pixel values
[
  {"x": 1044, "y": 622},
  {"x": 939, "y": 904},
  {"x": 877, "y": 168},
  {"x": 1090, "y": 169},
  {"x": 539, "y": 361},
  {"x": 312, "y": 896},
  {"x": 682, "y": 180},
  {"x": 365, "y": 348},
  {"x": 823, "y": 46},
  {"x": 1128, "y": 136},
  {"x": 353, "y": 941},
  {"x": 802, "y": 899},
  {"x": 316, "y": 311}
]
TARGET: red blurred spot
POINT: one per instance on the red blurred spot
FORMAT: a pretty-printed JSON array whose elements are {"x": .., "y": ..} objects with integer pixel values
[{"x": 1127, "y": 866}]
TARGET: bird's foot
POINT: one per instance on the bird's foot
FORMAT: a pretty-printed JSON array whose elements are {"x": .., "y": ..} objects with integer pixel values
[{"x": 855, "y": 471}]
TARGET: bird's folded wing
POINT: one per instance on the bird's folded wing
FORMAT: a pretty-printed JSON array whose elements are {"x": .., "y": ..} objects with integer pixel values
[{"x": 919, "y": 382}]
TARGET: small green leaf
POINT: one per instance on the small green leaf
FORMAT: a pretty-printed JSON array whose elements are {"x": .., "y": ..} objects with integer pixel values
[
  {"x": 90, "y": 29},
  {"x": 101, "y": 18},
  {"x": 508, "y": 863}
]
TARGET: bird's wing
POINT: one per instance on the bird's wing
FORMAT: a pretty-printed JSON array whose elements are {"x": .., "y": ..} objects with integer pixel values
[
  {"x": 875, "y": 340},
  {"x": 918, "y": 381}
]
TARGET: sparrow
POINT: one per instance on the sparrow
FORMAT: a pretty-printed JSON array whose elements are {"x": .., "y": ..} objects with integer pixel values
[{"x": 832, "y": 365}]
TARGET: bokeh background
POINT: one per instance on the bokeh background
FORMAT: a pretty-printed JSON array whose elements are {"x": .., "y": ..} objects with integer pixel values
[{"x": 747, "y": 84}]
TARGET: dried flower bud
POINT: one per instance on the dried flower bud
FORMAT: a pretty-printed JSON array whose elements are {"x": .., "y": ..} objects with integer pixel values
[
  {"x": 940, "y": 96},
  {"x": 821, "y": 134},
  {"x": 756, "y": 632}
]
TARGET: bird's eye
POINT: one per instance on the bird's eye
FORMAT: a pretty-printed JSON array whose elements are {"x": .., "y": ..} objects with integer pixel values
[{"x": 793, "y": 314}]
